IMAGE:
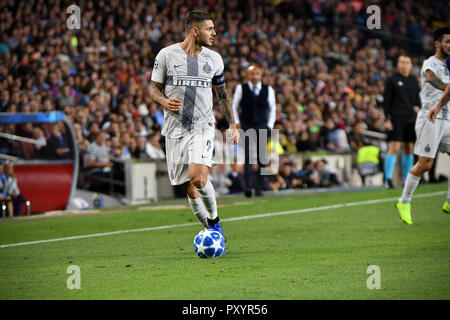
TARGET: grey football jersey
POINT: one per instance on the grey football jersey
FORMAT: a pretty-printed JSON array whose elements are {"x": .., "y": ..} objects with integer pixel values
[
  {"x": 429, "y": 95},
  {"x": 189, "y": 79}
]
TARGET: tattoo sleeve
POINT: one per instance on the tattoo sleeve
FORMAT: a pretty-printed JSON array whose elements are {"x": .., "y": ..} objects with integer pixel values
[
  {"x": 225, "y": 101},
  {"x": 156, "y": 92},
  {"x": 433, "y": 79}
]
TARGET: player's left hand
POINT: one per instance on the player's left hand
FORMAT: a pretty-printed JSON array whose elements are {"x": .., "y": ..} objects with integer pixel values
[{"x": 233, "y": 133}]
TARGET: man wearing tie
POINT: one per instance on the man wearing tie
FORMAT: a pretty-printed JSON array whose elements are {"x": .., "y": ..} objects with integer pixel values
[{"x": 254, "y": 107}]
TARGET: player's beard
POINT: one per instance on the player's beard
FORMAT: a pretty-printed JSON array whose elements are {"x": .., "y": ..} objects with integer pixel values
[{"x": 203, "y": 43}]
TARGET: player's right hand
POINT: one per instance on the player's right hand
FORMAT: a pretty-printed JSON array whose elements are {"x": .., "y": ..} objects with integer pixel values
[
  {"x": 388, "y": 125},
  {"x": 433, "y": 113},
  {"x": 172, "y": 104}
]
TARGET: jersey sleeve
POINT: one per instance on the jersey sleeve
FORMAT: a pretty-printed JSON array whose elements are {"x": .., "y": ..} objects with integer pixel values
[
  {"x": 218, "y": 78},
  {"x": 430, "y": 65},
  {"x": 159, "y": 68}
]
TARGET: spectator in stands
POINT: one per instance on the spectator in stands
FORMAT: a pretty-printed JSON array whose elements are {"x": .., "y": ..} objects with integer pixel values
[
  {"x": 291, "y": 179},
  {"x": 309, "y": 175},
  {"x": 141, "y": 152},
  {"x": 8, "y": 146},
  {"x": 26, "y": 150},
  {"x": 334, "y": 137},
  {"x": 325, "y": 134},
  {"x": 57, "y": 146},
  {"x": 140, "y": 128},
  {"x": 94, "y": 130},
  {"x": 153, "y": 147},
  {"x": 305, "y": 137},
  {"x": 97, "y": 154},
  {"x": 65, "y": 98},
  {"x": 327, "y": 177},
  {"x": 275, "y": 181},
  {"x": 132, "y": 147},
  {"x": 5, "y": 198},
  {"x": 357, "y": 140},
  {"x": 339, "y": 139},
  {"x": 4, "y": 100},
  {"x": 236, "y": 177},
  {"x": 12, "y": 189}
]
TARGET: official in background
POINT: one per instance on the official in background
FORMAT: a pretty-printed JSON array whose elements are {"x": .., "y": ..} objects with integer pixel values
[
  {"x": 254, "y": 107},
  {"x": 401, "y": 104}
]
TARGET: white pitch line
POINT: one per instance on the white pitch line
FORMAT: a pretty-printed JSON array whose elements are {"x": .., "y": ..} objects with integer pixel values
[{"x": 256, "y": 216}]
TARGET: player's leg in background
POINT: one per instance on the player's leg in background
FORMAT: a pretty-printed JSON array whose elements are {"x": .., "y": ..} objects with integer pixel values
[
  {"x": 389, "y": 162},
  {"x": 407, "y": 160},
  {"x": 412, "y": 180},
  {"x": 262, "y": 158},
  {"x": 249, "y": 171},
  {"x": 197, "y": 205}
]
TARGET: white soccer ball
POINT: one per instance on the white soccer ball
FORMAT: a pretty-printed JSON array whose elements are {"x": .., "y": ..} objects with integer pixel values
[{"x": 209, "y": 243}]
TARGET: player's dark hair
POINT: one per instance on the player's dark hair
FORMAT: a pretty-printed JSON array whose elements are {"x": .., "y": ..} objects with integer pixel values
[
  {"x": 195, "y": 16},
  {"x": 439, "y": 33}
]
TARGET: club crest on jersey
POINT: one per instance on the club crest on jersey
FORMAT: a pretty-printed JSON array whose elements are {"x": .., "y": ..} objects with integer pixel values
[
  {"x": 207, "y": 68},
  {"x": 400, "y": 84}
]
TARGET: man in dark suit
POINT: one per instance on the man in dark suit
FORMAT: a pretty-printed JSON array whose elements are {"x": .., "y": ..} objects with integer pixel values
[{"x": 254, "y": 107}]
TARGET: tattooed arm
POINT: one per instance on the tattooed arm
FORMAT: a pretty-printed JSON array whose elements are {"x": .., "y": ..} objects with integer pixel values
[
  {"x": 433, "y": 79},
  {"x": 227, "y": 107},
  {"x": 225, "y": 101},
  {"x": 156, "y": 93}
]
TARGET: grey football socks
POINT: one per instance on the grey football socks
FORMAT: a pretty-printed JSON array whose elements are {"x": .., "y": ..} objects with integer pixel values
[
  {"x": 199, "y": 210},
  {"x": 411, "y": 184},
  {"x": 208, "y": 196}
]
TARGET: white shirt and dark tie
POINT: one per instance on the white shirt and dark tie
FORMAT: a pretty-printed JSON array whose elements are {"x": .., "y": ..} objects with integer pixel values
[{"x": 256, "y": 89}]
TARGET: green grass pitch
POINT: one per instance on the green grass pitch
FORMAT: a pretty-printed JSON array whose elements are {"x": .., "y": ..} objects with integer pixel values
[{"x": 321, "y": 254}]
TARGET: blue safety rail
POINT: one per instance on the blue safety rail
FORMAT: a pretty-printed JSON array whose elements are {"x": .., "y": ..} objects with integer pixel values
[{"x": 35, "y": 117}]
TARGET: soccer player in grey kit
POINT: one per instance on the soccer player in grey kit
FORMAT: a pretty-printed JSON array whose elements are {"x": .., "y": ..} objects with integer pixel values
[
  {"x": 433, "y": 121},
  {"x": 182, "y": 80}
]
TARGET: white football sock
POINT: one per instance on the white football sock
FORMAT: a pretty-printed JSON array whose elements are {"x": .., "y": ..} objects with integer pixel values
[
  {"x": 411, "y": 184},
  {"x": 208, "y": 196},
  {"x": 199, "y": 210}
]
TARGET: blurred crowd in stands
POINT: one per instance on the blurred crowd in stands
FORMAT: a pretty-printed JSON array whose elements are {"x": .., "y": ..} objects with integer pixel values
[{"x": 327, "y": 70}]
